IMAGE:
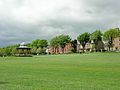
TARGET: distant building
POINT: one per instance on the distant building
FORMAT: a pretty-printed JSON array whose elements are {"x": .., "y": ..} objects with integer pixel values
[
  {"x": 116, "y": 44},
  {"x": 23, "y": 50},
  {"x": 88, "y": 47},
  {"x": 91, "y": 47},
  {"x": 66, "y": 49},
  {"x": 100, "y": 46}
]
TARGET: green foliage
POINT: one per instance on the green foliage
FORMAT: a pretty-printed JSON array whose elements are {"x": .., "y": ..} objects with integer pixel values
[
  {"x": 54, "y": 42},
  {"x": 84, "y": 38},
  {"x": 29, "y": 45},
  {"x": 63, "y": 40},
  {"x": 14, "y": 51},
  {"x": 60, "y": 40},
  {"x": 41, "y": 51},
  {"x": 8, "y": 51},
  {"x": 34, "y": 50},
  {"x": 72, "y": 50},
  {"x": 96, "y": 36},
  {"x": 2, "y": 52},
  {"x": 110, "y": 35},
  {"x": 74, "y": 45},
  {"x": 39, "y": 43}
]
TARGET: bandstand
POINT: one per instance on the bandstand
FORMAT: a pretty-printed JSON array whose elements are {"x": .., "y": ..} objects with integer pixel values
[{"x": 23, "y": 50}]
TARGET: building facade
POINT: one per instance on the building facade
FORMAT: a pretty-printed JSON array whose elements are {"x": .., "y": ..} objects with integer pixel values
[
  {"x": 116, "y": 44},
  {"x": 67, "y": 49},
  {"x": 91, "y": 47}
]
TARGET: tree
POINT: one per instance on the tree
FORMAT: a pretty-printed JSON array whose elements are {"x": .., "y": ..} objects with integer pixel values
[
  {"x": 110, "y": 35},
  {"x": 54, "y": 42},
  {"x": 72, "y": 50},
  {"x": 34, "y": 50},
  {"x": 96, "y": 37},
  {"x": 83, "y": 39},
  {"x": 43, "y": 43},
  {"x": 74, "y": 45},
  {"x": 14, "y": 51},
  {"x": 2, "y": 52},
  {"x": 10, "y": 50},
  {"x": 7, "y": 51},
  {"x": 61, "y": 41},
  {"x": 39, "y": 43},
  {"x": 41, "y": 51}
]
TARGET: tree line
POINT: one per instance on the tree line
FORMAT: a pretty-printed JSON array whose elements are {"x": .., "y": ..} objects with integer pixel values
[{"x": 39, "y": 46}]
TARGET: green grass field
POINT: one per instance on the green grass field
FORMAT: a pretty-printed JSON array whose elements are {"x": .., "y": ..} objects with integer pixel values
[{"x": 96, "y": 71}]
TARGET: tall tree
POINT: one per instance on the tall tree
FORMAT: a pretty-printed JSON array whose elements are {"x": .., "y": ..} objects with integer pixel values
[
  {"x": 83, "y": 39},
  {"x": 2, "y": 52},
  {"x": 41, "y": 51},
  {"x": 63, "y": 40},
  {"x": 54, "y": 42},
  {"x": 39, "y": 43},
  {"x": 96, "y": 36},
  {"x": 34, "y": 50},
  {"x": 109, "y": 36},
  {"x": 60, "y": 40}
]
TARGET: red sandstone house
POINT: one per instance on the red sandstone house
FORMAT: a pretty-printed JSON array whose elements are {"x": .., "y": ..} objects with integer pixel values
[
  {"x": 59, "y": 50},
  {"x": 116, "y": 44},
  {"x": 66, "y": 49}
]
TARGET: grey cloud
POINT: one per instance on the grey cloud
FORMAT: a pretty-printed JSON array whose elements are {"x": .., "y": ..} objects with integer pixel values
[{"x": 69, "y": 18}]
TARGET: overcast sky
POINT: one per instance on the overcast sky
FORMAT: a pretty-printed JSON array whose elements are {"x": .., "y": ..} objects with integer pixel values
[{"x": 27, "y": 20}]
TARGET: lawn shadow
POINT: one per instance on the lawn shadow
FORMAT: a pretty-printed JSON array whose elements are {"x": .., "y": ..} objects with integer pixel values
[{"x": 1, "y": 82}]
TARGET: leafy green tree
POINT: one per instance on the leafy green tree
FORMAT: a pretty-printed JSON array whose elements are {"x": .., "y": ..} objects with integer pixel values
[
  {"x": 39, "y": 43},
  {"x": 109, "y": 35},
  {"x": 14, "y": 51},
  {"x": 7, "y": 51},
  {"x": 54, "y": 42},
  {"x": 96, "y": 36},
  {"x": 72, "y": 50},
  {"x": 2, "y": 52},
  {"x": 83, "y": 39},
  {"x": 34, "y": 50},
  {"x": 11, "y": 50},
  {"x": 35, "y": 43},
  {"x": 43, "y": 43},
  {"x": 63, "y": 40},
  {"x": 41, "y": 51},
  {"x": 29, "y": 45},
  {"x": 74, "y": 45}
]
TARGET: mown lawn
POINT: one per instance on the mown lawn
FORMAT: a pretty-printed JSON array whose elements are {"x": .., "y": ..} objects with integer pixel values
[{"x": 96, "y": 71}]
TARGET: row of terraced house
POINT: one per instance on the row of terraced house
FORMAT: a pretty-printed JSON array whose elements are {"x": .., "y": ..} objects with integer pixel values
[{"x": 88, "y": 47}]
